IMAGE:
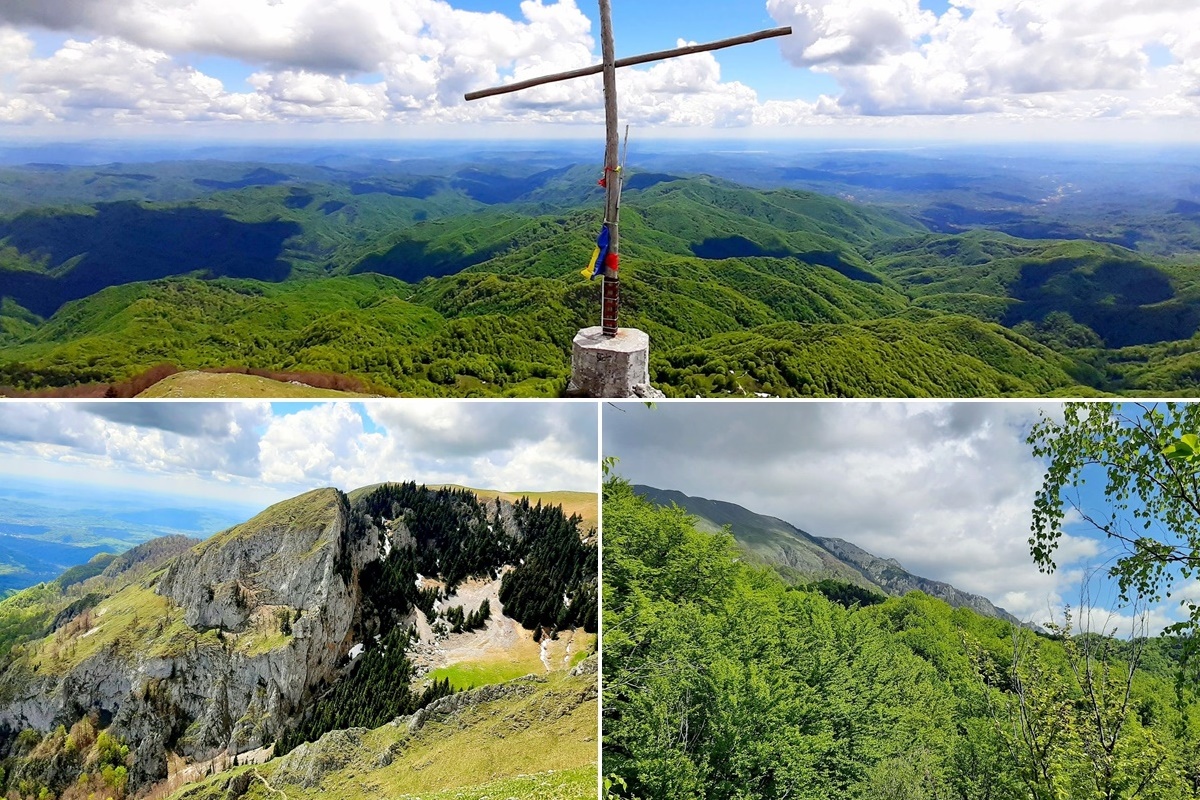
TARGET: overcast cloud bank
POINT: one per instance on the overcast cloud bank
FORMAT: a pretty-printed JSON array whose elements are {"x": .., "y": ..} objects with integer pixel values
[{"x": 944, "y": 488}]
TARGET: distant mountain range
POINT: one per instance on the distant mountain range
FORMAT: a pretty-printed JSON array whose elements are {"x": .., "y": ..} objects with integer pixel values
[
  {"x": 442, "y": 277},
  {"x": 801, "y": 557}
]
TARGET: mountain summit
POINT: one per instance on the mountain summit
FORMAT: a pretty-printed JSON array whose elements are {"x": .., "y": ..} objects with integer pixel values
[
  {"x": 326, "y": 612},
  {"x": 799, "y": 556}
]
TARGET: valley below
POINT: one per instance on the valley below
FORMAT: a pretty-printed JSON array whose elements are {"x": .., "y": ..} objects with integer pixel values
[{"x": 790, "y": 274}]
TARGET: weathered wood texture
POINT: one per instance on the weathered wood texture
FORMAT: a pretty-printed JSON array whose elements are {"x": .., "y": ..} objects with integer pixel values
[{"x": 631, "y": 61}]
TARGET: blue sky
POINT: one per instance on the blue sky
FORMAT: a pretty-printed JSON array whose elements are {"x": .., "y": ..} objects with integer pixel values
[
  {"x": 398, "y": 68},
  {"x": 258, "y": 453},
  {"x": 638, "y": 28},
  {"x": 945, "y": 488}
]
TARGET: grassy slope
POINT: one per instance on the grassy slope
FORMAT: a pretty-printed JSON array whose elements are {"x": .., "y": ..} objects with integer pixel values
[
  {"x": 523, "y": 658},
  {"x": 543, "y": 744},
  {"x": 133, "y": 622},
  {"x": 766, "y": 539},
  {"x": 585, "y": 504},
  {"x": 127, "y": 618},
  {"x": 207, "y": 384}
]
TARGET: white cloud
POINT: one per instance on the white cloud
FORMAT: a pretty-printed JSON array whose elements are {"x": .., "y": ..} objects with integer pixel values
[
  {"x": 1007, "y": 57},
  {"x": 407, "y": 63},
  {"x": 946, "y": 489},
  {"x": 108, "y": 76},
  {"x": 192, "y": 447},
  {"x": 308, "y": 95},
  {"x": 319, "y": 61},
  {"x": 839, "y": 32}
]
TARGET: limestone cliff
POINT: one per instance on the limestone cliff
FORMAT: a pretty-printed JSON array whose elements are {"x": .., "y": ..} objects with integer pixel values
[
  {"x": 194, "y": 652},
  {"x": 215, "y": 652}
]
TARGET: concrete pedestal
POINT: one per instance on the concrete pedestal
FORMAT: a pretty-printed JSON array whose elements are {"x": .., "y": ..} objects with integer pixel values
[{"x": 611, "y": 366}]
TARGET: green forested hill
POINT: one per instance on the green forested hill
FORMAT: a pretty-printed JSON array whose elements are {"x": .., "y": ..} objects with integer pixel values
[
  {"x": 802, "y": 558},
  {"x": 723, "y": 683},
  {"x": 743, "y": 291},
  {"x": 1122, "y": 297}
]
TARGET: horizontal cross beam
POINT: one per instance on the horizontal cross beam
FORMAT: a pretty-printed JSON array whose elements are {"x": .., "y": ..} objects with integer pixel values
[{"x": 629, "y": 62}]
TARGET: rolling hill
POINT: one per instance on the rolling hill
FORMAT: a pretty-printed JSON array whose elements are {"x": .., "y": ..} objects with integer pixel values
[{"x": 463, "y": 280}]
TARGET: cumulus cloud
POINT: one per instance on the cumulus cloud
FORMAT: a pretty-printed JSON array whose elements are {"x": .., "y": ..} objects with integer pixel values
[
  {"x": 216, "y": 420},
  {"x": 282, "y": 451},
  {"x": 476, "y": 429},
  {"x": 349, "y": 61},
  {"x": 946, "y": 489},
  {"x": 837, "y": 32},
  {"x": 410, "y": 61},
  {"x": 108, "y": 76},
  {"x": 218, "y": 440},
  {"x": 1078, "y": 60}
]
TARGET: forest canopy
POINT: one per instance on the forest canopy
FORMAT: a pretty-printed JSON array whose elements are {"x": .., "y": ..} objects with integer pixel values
[{"x": 723, "y": 682}]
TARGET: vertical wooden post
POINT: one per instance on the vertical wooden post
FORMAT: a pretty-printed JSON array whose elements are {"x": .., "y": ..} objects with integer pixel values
[{"x": 612, "y": 197}]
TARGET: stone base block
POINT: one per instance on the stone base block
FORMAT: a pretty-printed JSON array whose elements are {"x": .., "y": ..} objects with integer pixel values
[{"x": 611, "y": 366}]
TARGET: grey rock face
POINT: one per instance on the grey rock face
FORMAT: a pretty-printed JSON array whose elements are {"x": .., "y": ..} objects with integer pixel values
[
  {"x": 221, "y": 692},
  {"x": 589, "y": 666},
  {"x": 309, "y": 763},
  {"x": 895, "y": 580},
  {"x": 444, "y": 708}
]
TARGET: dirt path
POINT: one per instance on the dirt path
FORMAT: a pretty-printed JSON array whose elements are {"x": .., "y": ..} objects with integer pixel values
[{"x": 270, "y": 788}]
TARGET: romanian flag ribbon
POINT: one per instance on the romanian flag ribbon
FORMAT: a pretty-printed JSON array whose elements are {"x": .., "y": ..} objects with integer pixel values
[{"x": 600, "y": 256}]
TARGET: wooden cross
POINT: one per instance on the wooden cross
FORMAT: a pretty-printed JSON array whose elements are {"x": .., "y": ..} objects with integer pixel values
[{"x": 612, "y": 174}]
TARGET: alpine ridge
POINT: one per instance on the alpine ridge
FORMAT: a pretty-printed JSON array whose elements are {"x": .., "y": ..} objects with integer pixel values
[
  {"x": 301, "y": 621},
  {"x": 801, "y": 557}
]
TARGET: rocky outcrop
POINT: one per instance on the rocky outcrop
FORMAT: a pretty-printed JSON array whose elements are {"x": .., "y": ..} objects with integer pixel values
[
  {"x": 309, "y": 763},
  {"x": 295, "y": 554},
  {"x": 444, "y": 708},
  {"x": 232, "y": 679},
  {"x": 216, "y": 648},
  {"x": 800, "y": 556},
  {"x": 889, "y": 575}
]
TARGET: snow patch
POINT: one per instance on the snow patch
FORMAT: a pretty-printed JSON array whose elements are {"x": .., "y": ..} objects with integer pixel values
[{"x": 357, "y": 650}]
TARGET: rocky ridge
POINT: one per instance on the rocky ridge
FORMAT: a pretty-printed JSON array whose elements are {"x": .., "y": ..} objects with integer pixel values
[
  {"x": 195, "y": 652},
  {"x": 801, "y": 556},
  {"x": 215, "y": 682}
]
